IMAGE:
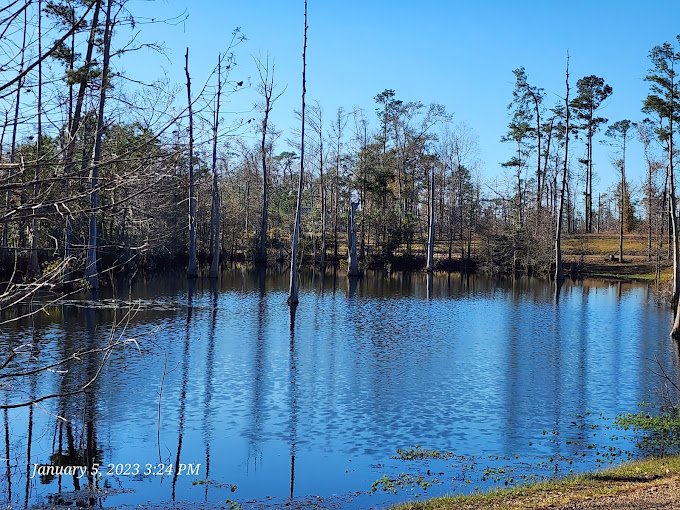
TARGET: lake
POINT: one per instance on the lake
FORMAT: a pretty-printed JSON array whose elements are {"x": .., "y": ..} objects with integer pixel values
[{"x": 392, "y": 388}]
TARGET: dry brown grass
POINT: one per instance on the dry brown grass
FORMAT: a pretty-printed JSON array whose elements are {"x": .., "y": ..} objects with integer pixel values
[{"x": 654, "y": 482}]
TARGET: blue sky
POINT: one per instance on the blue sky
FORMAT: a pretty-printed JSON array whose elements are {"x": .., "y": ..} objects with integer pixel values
[{"x": 460, "y": 54}]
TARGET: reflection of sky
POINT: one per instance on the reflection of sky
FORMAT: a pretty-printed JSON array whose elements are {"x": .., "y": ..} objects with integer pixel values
[{"x": 479, "y": 370}]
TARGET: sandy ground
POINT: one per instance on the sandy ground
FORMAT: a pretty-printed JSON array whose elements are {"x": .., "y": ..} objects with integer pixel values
[{"x": 660, "y": 494}]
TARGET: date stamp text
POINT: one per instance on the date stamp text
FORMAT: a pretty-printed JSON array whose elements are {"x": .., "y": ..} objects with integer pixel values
[{"x": 118, "y": 469}]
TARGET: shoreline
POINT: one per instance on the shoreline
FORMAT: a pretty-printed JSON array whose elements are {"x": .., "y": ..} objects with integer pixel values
[{"x": 649, "y": 483}]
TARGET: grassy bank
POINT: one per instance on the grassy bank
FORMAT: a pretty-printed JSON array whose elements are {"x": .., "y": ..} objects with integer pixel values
[
  {"x": 597, "y": 257},
  {"x": 618, "y": 482}
]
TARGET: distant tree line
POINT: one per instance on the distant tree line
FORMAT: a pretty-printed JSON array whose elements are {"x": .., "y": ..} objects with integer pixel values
[{"x": 99, "y": 171}]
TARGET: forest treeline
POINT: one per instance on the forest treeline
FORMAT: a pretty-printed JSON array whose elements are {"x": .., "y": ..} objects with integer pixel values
[{"x": 100, "y": 171}]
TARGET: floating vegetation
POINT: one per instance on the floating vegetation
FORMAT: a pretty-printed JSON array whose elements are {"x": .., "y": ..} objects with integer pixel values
[
  {"x": 212, "y": 483},
  {"x": 403, "y": 481},
  {"x": 419, "y": 453},
  {"x": 657, "y": 435},
  {"x": 233, "y": 505}
]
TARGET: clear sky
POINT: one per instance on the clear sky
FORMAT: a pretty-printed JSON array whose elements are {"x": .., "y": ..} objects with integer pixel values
[{"x": 458, "y": 53}]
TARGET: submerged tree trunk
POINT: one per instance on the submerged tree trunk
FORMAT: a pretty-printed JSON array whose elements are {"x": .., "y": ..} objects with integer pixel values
[
  {"x": 91, "y": 274},
  {"x": 293, "y": 290},
  {"x": 191, "y": 268},
  {"x": 430, "y": 227}
]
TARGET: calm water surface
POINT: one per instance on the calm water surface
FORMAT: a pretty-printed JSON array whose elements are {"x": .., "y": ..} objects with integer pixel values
[{"x": 504, "y": 382}]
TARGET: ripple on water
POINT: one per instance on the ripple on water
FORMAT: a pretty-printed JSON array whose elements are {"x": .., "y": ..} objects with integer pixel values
[{"x": 483, "y": 369}]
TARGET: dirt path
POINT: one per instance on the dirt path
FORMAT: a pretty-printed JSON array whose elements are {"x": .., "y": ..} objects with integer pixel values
[{"x": 658, "y": 494}]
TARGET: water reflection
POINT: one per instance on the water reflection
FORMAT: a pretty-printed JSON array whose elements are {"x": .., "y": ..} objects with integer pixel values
[
  {"x": 8, "y": 468},
  {"x": 352, "y": 286},
  {"x": 258, "y": 370},
  {"x": 292, "y": 381},
  {"x": 293, "y": 402},
  {"x": 209, "y": 368},
  {"x": 185, "y": 376}
]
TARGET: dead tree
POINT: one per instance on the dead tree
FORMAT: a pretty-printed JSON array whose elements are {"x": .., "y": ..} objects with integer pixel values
[
  {"x": 293, "y": 290},
  {"x": 267, "y": 90},
  {"x": 317, "y": 126},
  {"x": 191, "y": 268},
  {"x": 559, "y": 275},
  {"x": 338, "y": 127},
  {"x": 353, "y": 263},
  {"x": 215, "y": 204}
]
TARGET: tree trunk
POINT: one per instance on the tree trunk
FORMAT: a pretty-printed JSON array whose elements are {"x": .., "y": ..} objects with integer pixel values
[
  {"x": 559, "y": 275},
  {"x": 337, "y": 187},
  {"x": 671, "y": 198},
  {"x": 191, "y": 268},
  {"x": 91, "y": 274},
  {"x": 539, "y": 182},
  {"x": 215, "y": 209},
  {"x": 15, "y": 125},
  {"x": 322, "y": 185},
  {"x": 75, "y": 123},
  {"x": 674, "y": 216},
  {"x": 545, "y": 185},
  {"x": 353, "y": 263},
  {"x": 267, "y": 90},
  {"x": 430, "y": 226},
  {"x": 650, "y": 214},
  {"x": 675, "y": 332},
  {"x": 293, "y": 290},
  {"x": 34, "y": 265},
  {"x": 451, "y": 215},
  {"x": 623, "y": 200},
  {"x": 589, "y": 174}
]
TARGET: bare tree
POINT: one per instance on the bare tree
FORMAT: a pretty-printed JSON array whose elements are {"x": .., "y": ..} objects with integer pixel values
[
  {"x": 191, "y": 268},
  {"x": 645, "y": 133},
  {"x": 559, "y": 275},
  {"x": 618, "y": 132},
  {"x": 215, "y": 207},
  {"x": 317, "y": 125},
  {"x": 353, "y": 263},
  {"x": 266, "y": 72},
  {"x": 34, "y": 265},
  {"x": 15, "y": 123},
  {"x": 338, "y": 128},
  {"x": 293, "y": 291}
]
